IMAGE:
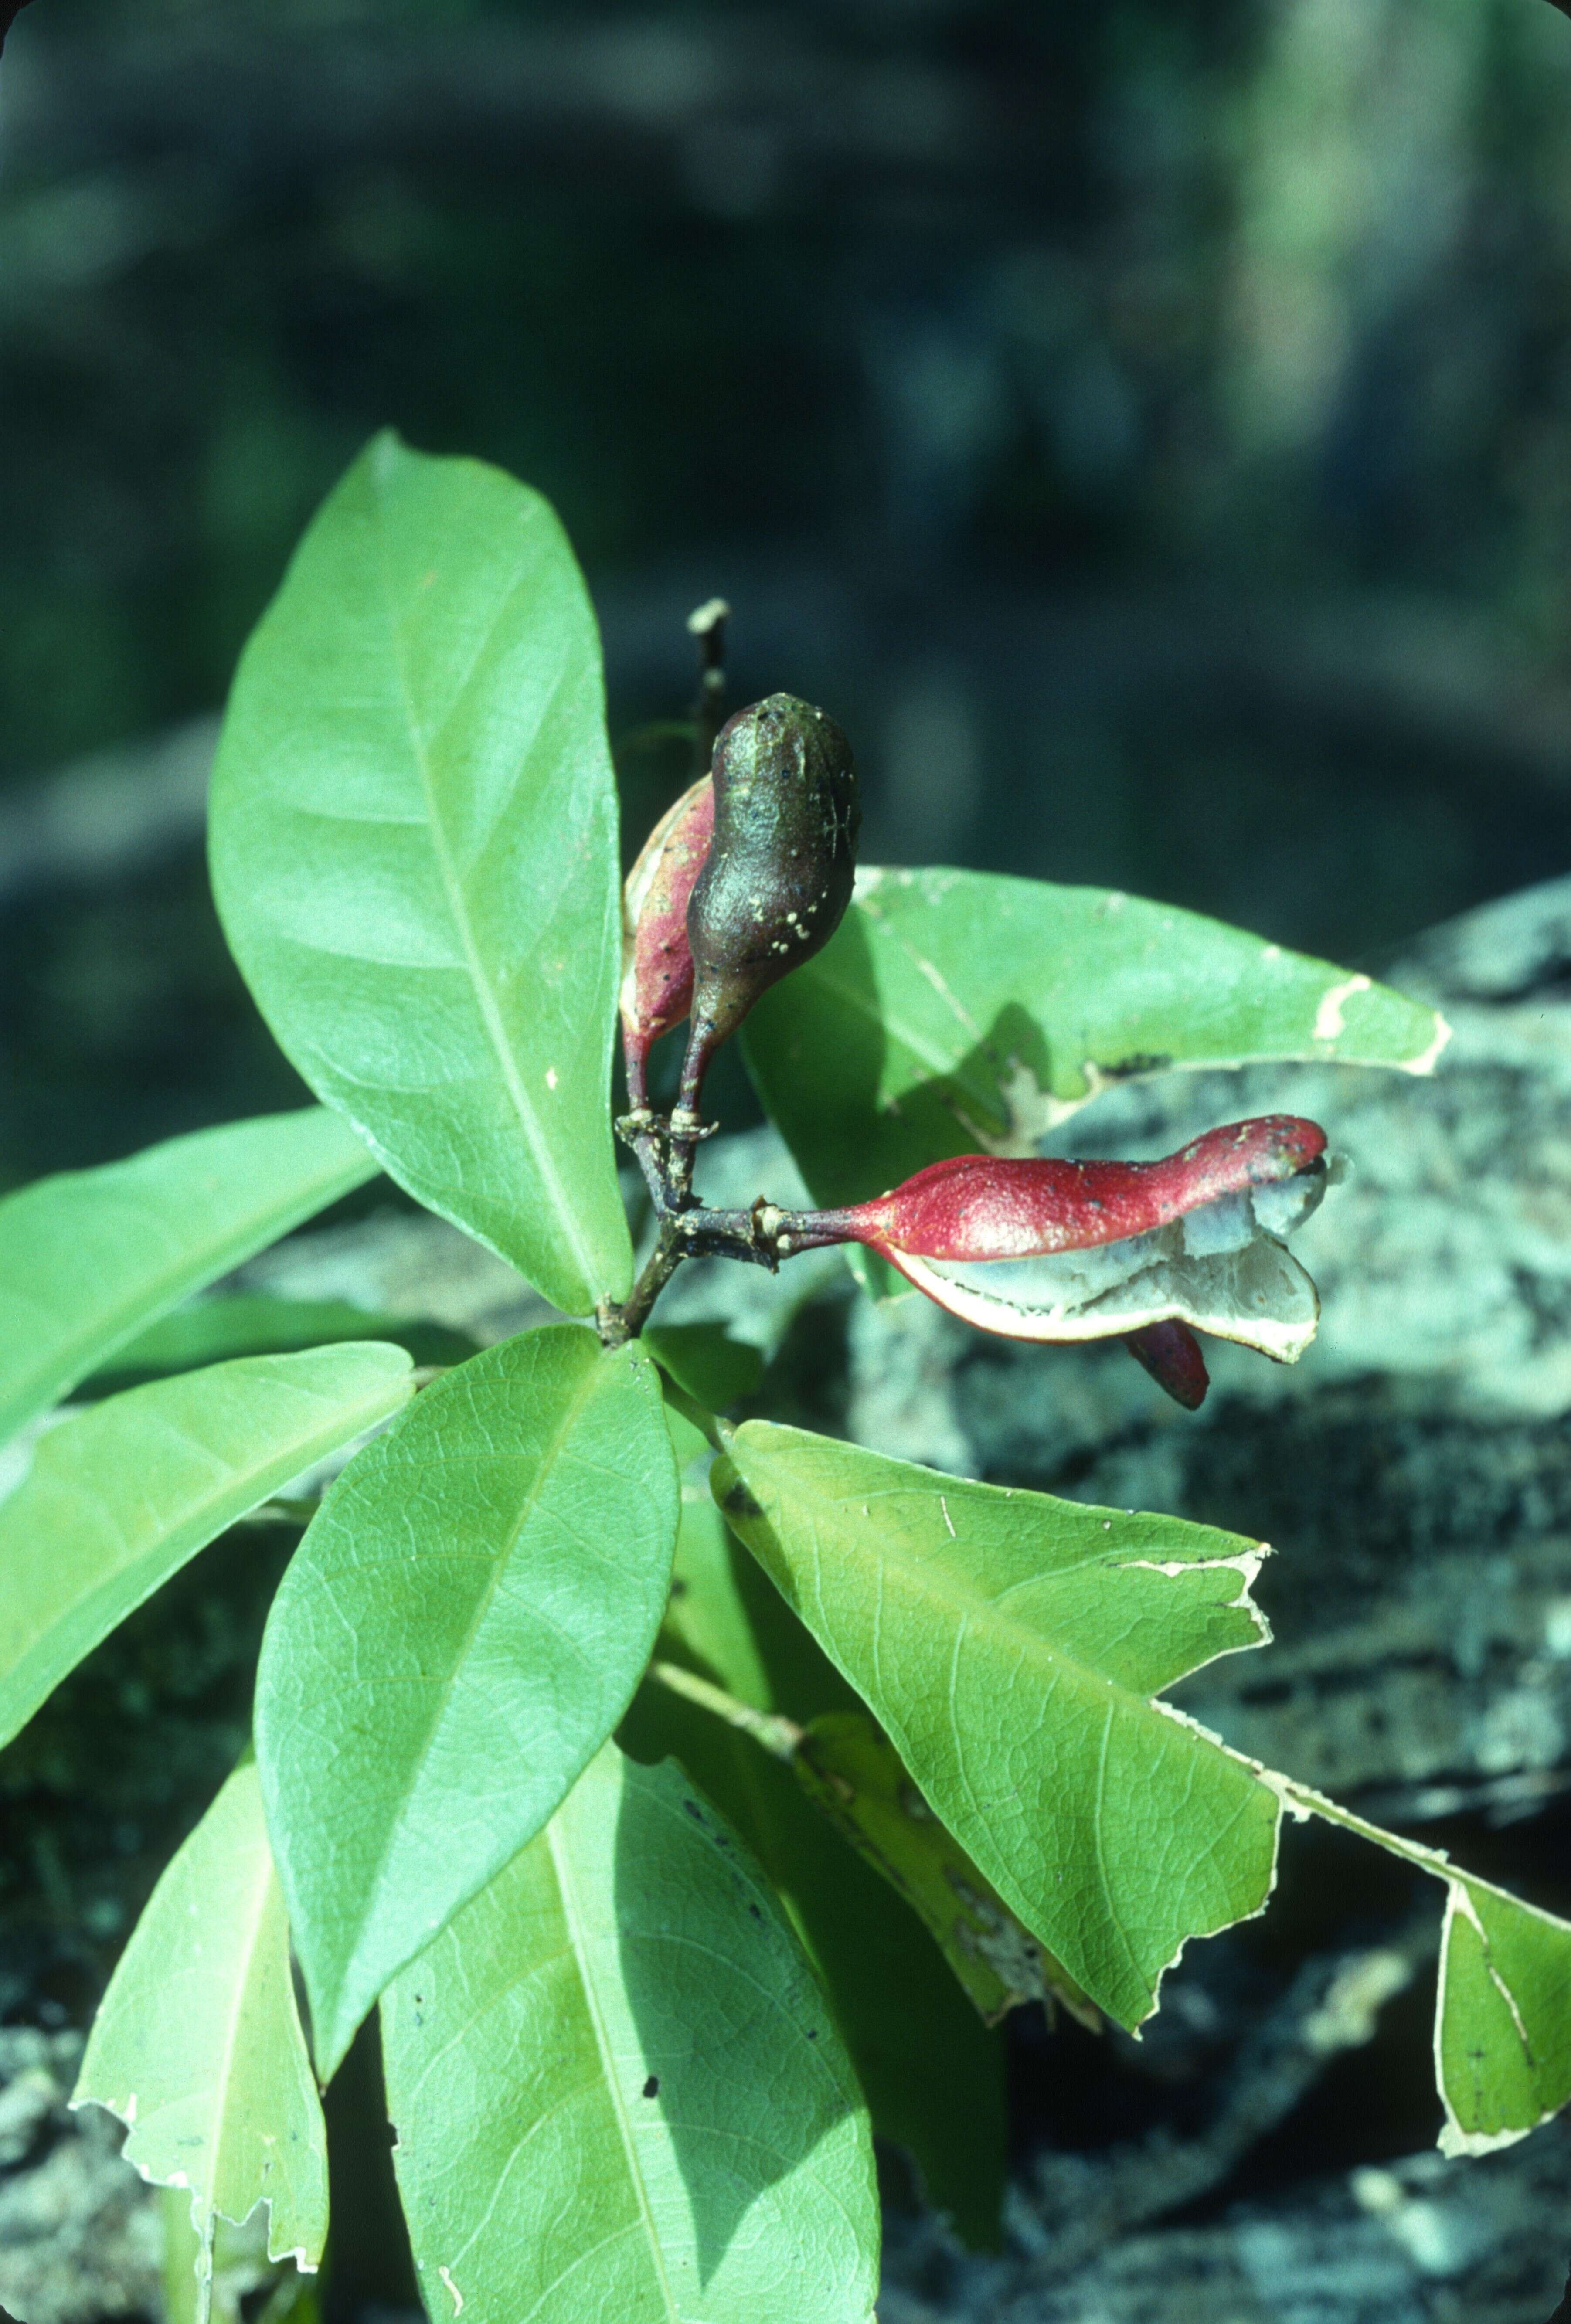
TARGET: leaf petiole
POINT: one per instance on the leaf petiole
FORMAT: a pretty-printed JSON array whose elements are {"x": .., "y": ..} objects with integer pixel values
[{"x": 781, "y": 1738}]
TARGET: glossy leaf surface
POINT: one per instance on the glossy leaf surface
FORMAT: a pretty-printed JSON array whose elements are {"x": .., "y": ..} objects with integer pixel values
[
  {"x": 1502, "y": 2032},
  {"x": 617, "y": 2090},
  {"x": 414, "y": 831},
  {"x": 731, "y": 1625},
  {"x": 955, "y": 1010},
  {"x": 261, "y": 1323},
  {"x": 88, "y": 1259},
  {"x": 855, "y": 1776},
  {"x": 117, "y": 1499},
  {"x": 940, "y": 2098},
  {"x": 1012, "y": 1647},
  {"x": 198, "y": 2044},
  {"x": 461, "y": 1627}
]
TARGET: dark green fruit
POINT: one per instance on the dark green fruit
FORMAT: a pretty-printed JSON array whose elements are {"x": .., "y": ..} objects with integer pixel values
[{"x": 780, "y": 869}]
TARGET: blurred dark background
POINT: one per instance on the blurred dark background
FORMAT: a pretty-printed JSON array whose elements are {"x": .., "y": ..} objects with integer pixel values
[{"x": 1147, "y": 426}]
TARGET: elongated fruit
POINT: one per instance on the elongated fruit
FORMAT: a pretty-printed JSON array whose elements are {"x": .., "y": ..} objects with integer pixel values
[
  {"x": 780, "y": 869},
  {"x": 657, "y": 974},
  {"x": 1145, "y": 1251}
]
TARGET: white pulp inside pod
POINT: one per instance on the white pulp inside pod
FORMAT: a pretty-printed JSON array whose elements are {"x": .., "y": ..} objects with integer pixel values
[{"x": 1222, "y": 1267}]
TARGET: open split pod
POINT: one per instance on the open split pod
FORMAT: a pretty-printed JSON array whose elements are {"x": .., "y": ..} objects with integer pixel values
[{"x": 1151, "y": 1252}]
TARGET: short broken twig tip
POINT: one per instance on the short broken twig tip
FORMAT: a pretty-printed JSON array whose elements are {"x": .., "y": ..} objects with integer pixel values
[{"x": 708, "y": 616}]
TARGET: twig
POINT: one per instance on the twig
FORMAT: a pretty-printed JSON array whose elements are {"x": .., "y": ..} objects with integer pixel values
[
  {"x": 760, "y": 1237},
  {"x": 707, "y": 624},
  {"x": 619, "y": 1320},
  {"x": 644, "y": 1132}
]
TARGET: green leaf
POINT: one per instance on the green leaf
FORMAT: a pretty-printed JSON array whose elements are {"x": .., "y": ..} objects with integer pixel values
[
  {"x": 90, "y": 1256},
  {"x": 941, "y": 2097},
  {"x": 855, "y": 1776},
  {"x": 260, "y": 1323},
  {"x": 460, "y": 1629},
  {"x": 119, "y": 1498},
  {"x": 731, "y": 1620},
  {"x": 959, "y": 1011},
  {"x": 1012, "y": 1646},
  {"x": 414, "y": 831},
  {"x": 197, "y": 2044},
  {"x": 234, "y": 2284},
  {"x": 689, "y": 1440},
  {"x": 617, "y": 2091},
  {"x": 1502, "y": 2031},
  {"x": 1015, "y": 1647}
]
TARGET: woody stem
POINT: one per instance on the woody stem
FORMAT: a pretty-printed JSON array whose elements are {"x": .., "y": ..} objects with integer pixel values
[{"x": 760, "y": 1237}]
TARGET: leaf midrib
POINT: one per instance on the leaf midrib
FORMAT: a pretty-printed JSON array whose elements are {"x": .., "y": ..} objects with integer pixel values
[
  {"x": 967, "y": 1602},
  {"x": 594, "y": 1375},
  {"x": 540, "y": 1149},
  {"x": 252, "y": 1919},
  {"x": 240, "y": 1990},
  {"x": 573, "y": 1913}
]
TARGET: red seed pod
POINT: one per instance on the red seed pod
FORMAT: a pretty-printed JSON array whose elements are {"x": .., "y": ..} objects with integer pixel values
[
  {"x": 656, "y": 977},
  {"x": 978, "y": 1207},
  {"x": 1060, "y": 1252}
]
